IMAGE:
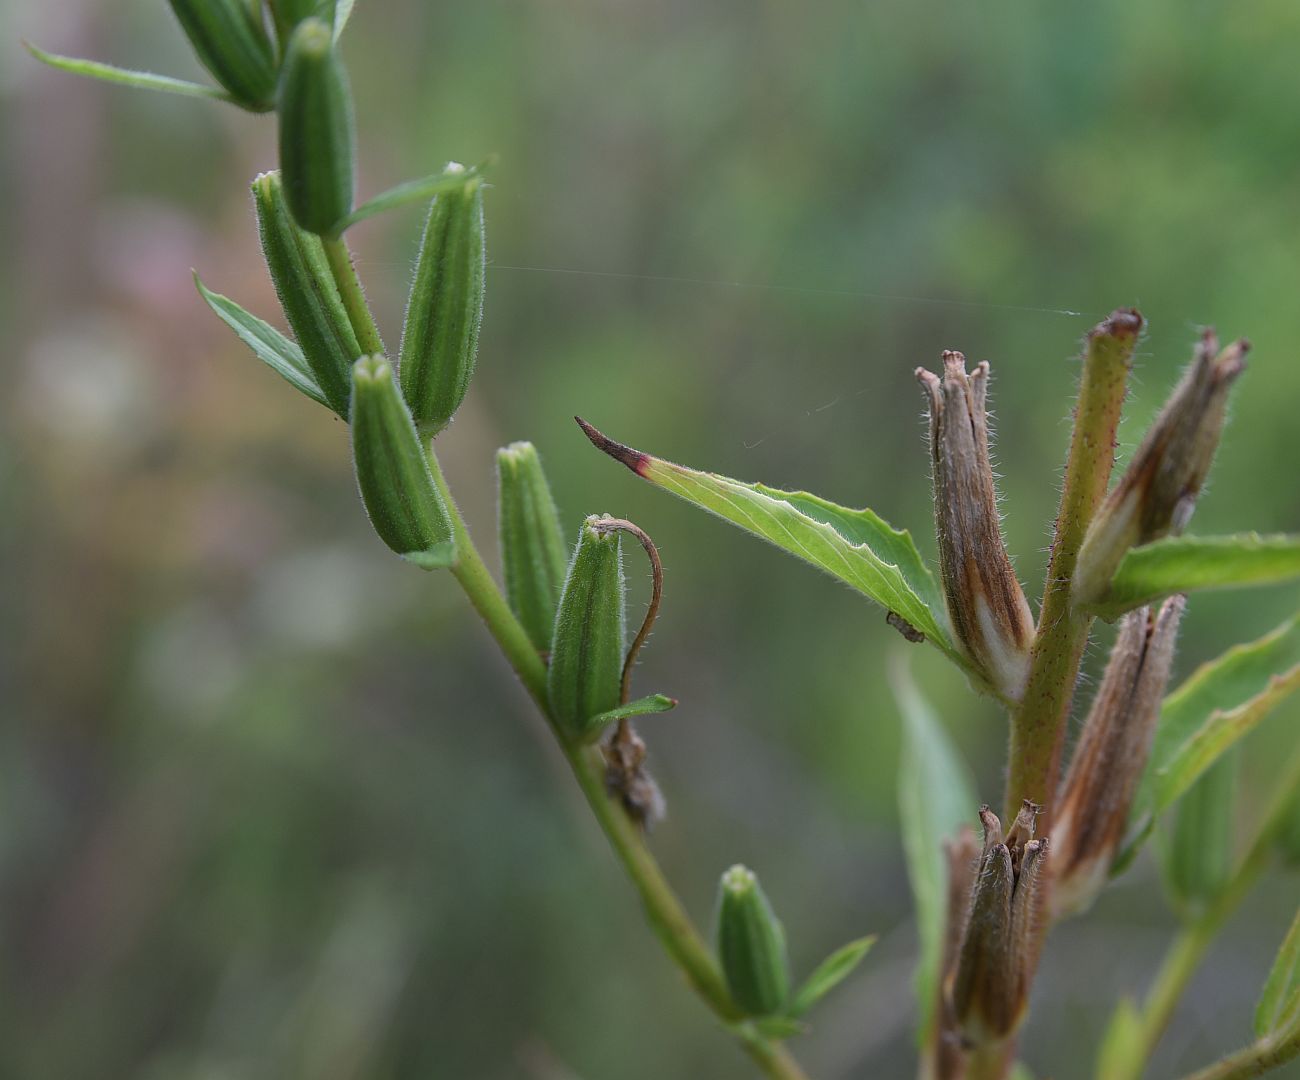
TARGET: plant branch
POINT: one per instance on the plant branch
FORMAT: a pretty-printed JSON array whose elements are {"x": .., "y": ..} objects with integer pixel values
[
  {"x": 1254, "y": 1060},
  {"x": 353, "y": 295},
  {"x": 1038, "y": 723}
]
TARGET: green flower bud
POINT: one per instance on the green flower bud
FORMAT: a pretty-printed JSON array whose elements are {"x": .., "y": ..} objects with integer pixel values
[
  {"x": 317, "y": 139},
  {"x": 751, "y": 945},
  {"x": 307, "y": 293},
  {"x": 533, "y": 552},
  {"x": 1199, "y": 854},
  {"x": 392, "y": 472},
  {"x": 289, "y": 13},
  {"x": 231, "y": 42},
  {"x": 585, "y": 674},
  {"x": 440, "y": 337}
]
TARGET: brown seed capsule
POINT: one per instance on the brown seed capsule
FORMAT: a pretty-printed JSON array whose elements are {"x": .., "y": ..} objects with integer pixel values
[
  {"x": 988, "y": 610},
  {"x": 1157, "y": 493},
  {"x": 1111, "y": 756},
  {"x": 989, "y": 988}
]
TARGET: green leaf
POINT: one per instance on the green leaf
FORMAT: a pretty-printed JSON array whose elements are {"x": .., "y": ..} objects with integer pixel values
[
  {"x": 935, "y": 798},
  {"x": 269, "y": 345},
  {"x": 414, "y": 191},
  {"x": 655, "y": 703},
  {"x": 1123, "y": 1044},
  {"x": 1186, "y": 563},
  {"x": 829, "y": 974},
  {"x": 1218, "y": 704},
  {"x": 342, "y": 13},
  {"x": 1279, "y": 1005},
  {"x": 856, "y": 546},
  {"x": 141, "y": 80},
  {"x": 1198, "y": 852}
]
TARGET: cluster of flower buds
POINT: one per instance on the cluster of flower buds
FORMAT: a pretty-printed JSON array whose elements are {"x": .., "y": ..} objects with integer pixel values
[
  {"x": 987, "y": 988},
  {"x": 1093, "y": 810},
  {"x": 1158, "y": 491},
  {"x": 988, "y": 611}
]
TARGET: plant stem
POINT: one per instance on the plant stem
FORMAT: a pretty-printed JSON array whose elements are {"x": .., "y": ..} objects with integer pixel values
[
  {"x": 1254, "y": 1060},
  {"x": 1189, "y": 946},
  {"x": 1038, "y": 723},
  {"x": 663, "y": 909},
  {"x": 353, "y": 295}
]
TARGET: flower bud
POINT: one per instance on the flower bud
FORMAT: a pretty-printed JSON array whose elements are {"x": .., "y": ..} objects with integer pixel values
[
  {"x": 989, "y": 988},
  {"x": 751, "y": 945},
  {"x": 989, "y": 614},
  {"x": 1157, "y": 493},
  {"x": 440, "y": 336},
  {"x": 317, "y": 139},
  {"x": 308, "y": 294},
  {"x": 289, "y": 13},
  {"x": 393, "y": 474},
  {"x": 230, "y": 41},
  {"x": 1111, "y": 755},
  {"x": 533, "y": 553},
  {"x": 585, "y": 673},
  {"x": 1199, "y": 852}
]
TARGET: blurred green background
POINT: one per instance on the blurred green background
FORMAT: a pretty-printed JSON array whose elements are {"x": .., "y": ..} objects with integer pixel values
[{"x": 273, "y": 805}]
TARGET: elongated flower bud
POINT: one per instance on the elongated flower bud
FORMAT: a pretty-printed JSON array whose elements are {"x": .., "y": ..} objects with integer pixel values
[
  {"x": 533, "y": 553},
  {"x": 989, "y": 988},
  {"x": 586, "y": 667},
  {"x": 308, "y": 294},
  {"x": 231, "y": 42},
  {"x": 986, "y": 606},
  {"x": 397, "y": 488},
  {"x": 1199, "y": 853},
  {"x": 1157, "y": 493},
  {"x": 317, "y": 140},
  {"x": 751, "y": 945},
  {"x": 1111, "y": 756},
  {"x": 445, "y": 307}
]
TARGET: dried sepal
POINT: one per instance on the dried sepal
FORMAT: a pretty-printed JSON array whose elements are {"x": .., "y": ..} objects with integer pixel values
[
  {"x": 1111, "y": 755},
  {"x": 1158, "y": 491},
  {"x": 986, "y": 606}
]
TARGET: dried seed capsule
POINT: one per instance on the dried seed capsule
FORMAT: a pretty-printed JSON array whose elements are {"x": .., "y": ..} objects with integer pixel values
[
  {"x": 231, "y": 42},
  {"x": 317, "y": 140},
  {"x": 1198, "y": 856},
  {"x": 989, "y": 614},
  {"x": 397, "y": 488},
  {"x": 443, "y": 312},
  {"x": 1157, "y": 493},
  {"x": 308, "y": 294},
  {"x": 751, "y": 945},
  {"x": 1111, "y": 755},
  {"x": 533, "y": 553},
  {"x": 585, "y": 673}
]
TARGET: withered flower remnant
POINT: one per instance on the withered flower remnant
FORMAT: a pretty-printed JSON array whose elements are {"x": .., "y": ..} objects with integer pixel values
[
  {"x": 1111, "y": 756},
  {"x": 989, "y": 614}
]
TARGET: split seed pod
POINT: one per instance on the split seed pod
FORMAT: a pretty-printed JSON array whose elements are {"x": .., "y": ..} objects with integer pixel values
[
  {"x": 397, "y": 488},
  {"x": 445, "y": 307},
  {"x": 988, "y": 610},
  {"x": 585, "y": 674},
  {"x": 317, "y": 137},
  {"x": 751, "y": 945},
  {"x": 308, "y": 294},
  {"x": 1158, "y": 491},
  {"x": 532, "y": 547},
  {"x": 1111, "y": 755},
  {"x": 232, "y": 44}
]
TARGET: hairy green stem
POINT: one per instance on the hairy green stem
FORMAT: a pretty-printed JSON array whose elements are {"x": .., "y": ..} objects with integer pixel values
[
  {"x": 664, "y": 910},
  {"x": 1190, "y": 945},
  {"x": 1038, "y": 723},
  {"x": 1254, "y": 1060}
]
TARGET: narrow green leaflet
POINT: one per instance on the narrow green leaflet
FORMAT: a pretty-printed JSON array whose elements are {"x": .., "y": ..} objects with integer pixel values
[
  {"x": 1279, "y": 1005},
  {"x": 1219, "y": 703},
  {"x": 829, "y": 974},
  {"x": 342, "y": 13},
  {"x": 141, "y": 80},
  {"x": 1122, "y": 1044},
  {"x": 935, "y": 798},
  {"x": 1187, "y": 563},
  {"x": 655, "y": 703},
  {"x": 269, "y": 345},
  {"x": 856, "y": 546},
  {"x": 414, "y": 191}
]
